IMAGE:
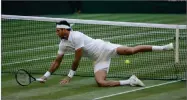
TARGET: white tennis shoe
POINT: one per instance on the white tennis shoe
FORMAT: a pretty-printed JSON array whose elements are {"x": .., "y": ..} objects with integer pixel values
[
  {"x": 168, "y": 46},
  {"x": 134, "y": 81}
]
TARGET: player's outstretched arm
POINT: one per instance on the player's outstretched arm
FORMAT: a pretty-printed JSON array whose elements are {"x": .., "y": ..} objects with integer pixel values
[
  {"x": 75, "y": 64},
  {"x": 53, "y": 68}
]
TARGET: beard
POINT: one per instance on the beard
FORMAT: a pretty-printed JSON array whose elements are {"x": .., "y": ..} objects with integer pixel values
[{"x": 64, "y": 37}]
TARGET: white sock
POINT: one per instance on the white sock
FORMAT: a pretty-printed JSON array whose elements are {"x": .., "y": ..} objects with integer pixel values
[
  {"x": 157, "y": 48},
  {"x": 124, "y": 82}
]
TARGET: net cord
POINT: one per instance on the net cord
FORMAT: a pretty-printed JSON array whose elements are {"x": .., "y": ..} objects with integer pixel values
[{"x": 97, "y": 22}]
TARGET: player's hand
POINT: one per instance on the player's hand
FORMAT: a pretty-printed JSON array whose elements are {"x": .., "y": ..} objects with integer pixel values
[
  {"x": 66, "y": 80},
  {"x": 42, "y": 79}
]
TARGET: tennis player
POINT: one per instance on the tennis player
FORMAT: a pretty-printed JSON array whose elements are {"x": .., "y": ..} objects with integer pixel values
[{"x": 97, "y": 50}]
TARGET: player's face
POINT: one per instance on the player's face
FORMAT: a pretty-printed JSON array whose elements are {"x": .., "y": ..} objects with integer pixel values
[{"x": 60, "y": 32}]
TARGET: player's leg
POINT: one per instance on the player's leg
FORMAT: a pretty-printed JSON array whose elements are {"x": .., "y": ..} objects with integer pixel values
[
  {"x": 101, "y": 69},
  {"x": 123, "y": 50},
  {"x": 100, "y": 77}
]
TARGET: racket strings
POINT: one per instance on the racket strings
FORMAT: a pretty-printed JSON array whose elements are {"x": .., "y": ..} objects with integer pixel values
[{"x": 23, "y": 78}]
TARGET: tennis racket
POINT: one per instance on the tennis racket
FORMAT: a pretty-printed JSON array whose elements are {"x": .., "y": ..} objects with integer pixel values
[{"x": 24, "y": 78}]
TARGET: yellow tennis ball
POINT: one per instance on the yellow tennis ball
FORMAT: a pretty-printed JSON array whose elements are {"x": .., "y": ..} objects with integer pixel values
[{"x": 127, "y": 61}]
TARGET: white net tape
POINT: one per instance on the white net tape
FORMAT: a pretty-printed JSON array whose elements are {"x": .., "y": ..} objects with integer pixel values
[{"x": 132, "y": 24}]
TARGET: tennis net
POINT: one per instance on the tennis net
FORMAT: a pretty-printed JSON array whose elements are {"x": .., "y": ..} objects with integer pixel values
[{"x": 31, "y": 43}]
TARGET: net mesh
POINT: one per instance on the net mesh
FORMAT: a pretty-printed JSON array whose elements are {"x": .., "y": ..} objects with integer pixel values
[{"x": 32, "y": 44}]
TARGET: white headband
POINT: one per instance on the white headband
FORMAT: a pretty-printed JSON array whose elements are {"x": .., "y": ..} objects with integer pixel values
[{"x": 63, "y": 26}]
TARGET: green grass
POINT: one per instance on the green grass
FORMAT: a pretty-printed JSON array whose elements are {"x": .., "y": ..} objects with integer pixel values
[
  {"x": 85, "y": 88},
  {"x": 33, "y": 46},
  {"x": 175, "y": 91}
]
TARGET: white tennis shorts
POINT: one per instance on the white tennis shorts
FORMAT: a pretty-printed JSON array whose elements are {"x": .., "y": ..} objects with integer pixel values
[{"x": 107, "y": 51}]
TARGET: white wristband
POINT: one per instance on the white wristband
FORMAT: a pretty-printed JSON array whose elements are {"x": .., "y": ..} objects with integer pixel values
[
  {"x": 47, "y": 74},
  {"x": 71, "y": 73}
]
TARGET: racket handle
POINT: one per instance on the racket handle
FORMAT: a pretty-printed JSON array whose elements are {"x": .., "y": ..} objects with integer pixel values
[{"x": 40, "y": 80}]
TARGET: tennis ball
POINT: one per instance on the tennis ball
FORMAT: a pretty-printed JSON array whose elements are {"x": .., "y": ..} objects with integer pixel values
[{"x": 127, "y": 61}]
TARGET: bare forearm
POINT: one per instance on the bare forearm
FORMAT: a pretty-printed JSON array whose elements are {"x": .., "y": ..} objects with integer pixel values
[
  {"x": 78, "y": 55},
  {"x": 54, "y": 66},
  {"x": 75, "y": 65}
]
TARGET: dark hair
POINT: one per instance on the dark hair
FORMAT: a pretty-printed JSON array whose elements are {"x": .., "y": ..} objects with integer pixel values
[{"x": 64, "y": 22}]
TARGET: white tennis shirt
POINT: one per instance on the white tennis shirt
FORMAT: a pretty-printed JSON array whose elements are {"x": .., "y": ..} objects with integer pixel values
[{"x": 92, "y": 48}]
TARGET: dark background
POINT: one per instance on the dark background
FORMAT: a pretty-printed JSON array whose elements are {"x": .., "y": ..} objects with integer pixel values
[{"x": 69, "y": 7}]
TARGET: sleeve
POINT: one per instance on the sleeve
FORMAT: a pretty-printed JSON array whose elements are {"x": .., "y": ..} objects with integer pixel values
[
  {"x": 61, "y": 49},
  {"x": 78, "y": 41}
]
